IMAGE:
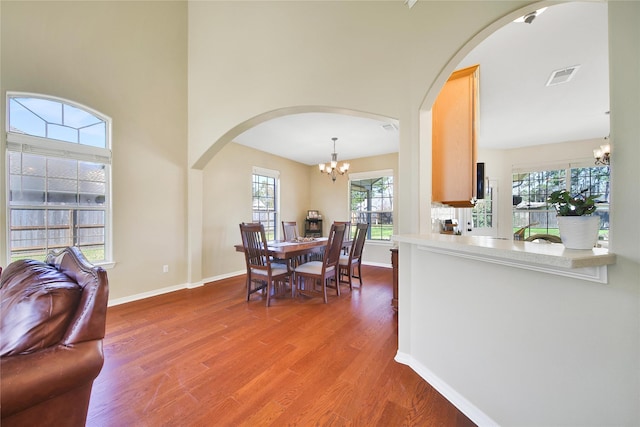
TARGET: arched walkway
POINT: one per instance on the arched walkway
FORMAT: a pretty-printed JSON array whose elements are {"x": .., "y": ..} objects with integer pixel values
[{"x": 269, "y": 115}]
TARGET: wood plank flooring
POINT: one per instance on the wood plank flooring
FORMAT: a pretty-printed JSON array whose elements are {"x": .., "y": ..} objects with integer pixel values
[{"x": 207, "y": 357}]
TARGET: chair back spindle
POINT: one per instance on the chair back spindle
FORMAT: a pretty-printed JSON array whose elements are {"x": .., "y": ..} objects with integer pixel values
[
  {"x": 334, "y": 245},
  {"x": 290, "y": 230},
  {"x": 358, "y": 240}
]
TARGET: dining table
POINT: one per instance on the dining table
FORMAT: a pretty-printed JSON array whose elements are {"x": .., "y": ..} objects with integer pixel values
[{"x": 290, "y": 250}]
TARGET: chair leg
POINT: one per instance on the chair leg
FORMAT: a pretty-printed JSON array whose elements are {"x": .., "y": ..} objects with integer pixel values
[
  {"x": 269, "y": 289},
  {"x": 292, "y": 282},
  {"x": 345, "y": 271},
  {"x": 324, "y": 289}
]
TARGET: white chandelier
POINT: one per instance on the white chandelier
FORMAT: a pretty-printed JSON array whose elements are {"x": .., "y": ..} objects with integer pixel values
[
  {"x": 332, "y": 168},
  {"x": 603, "y": 154}
]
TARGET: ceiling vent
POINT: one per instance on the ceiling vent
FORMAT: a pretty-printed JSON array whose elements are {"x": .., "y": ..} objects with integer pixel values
[
  {"x": 390, "y": 127},
  {"x": 562, "y": 76}
]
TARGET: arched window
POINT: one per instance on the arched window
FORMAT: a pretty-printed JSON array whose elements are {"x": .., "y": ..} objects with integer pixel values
[{"x": 59, "y": 174}]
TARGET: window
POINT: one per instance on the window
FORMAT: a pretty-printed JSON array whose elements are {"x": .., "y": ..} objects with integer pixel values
[
  {"x": 59, "y": 178},
  {"x": 265, "y": 200},
  {"x": 482, "y": 212},
  {"x": 531, "y": 189},
  {"x": 371, "y": 201}
]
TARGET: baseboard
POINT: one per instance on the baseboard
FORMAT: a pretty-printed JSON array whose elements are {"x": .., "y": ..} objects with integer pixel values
[
  {"x": 376, "y": 264},
  {"x": 173, "y": 288},
  {"x": 144, "y": 295},
  {"x": 222, "y": 276},
  {"x": 469, "y": 409}
]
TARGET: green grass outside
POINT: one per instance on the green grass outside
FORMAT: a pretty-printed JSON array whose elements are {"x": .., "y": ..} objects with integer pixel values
[
  {"x": 531, "y": 231},
  {"x": 381, "y": 232},
  {"x": 553, "y": 232}
]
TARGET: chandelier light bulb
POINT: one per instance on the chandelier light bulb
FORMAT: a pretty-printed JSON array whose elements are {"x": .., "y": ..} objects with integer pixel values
[{"x": 603, "y": 154}]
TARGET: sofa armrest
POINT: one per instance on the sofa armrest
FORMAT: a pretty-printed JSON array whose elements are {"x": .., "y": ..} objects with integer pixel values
[
  {"x": 89, "y": 322},
  {"x": 28, "y": 379}
]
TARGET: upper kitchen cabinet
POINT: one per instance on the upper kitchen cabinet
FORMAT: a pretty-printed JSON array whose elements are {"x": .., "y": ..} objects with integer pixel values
[{"x": 454, "y": 116}]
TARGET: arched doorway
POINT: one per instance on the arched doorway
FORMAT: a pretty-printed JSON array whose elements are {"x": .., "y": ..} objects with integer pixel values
[{"x": 520, "y": 106}]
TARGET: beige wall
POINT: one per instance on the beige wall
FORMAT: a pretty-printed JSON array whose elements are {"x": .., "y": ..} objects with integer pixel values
[
  {"x": 127, "y": 60},
  {"x": 247, "y": 60},
  {"x": 227, "y": 202}
]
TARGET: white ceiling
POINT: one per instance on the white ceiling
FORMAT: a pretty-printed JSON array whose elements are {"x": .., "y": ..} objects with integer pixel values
[
  {"x": 516, "y": 107},
  {"x": 306, "y": 137}
]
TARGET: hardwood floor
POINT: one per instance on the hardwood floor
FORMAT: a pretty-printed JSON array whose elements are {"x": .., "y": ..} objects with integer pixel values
[{"x": 205, "y": 357}]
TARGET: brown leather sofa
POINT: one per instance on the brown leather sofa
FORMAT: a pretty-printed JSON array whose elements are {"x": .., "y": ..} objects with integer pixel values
[{"x": 52, "y": 322}]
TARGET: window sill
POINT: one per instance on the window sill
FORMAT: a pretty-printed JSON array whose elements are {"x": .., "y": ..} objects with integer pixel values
[
  {"x": 107, "y": 265},
  {"x": 550, "y": 258}
]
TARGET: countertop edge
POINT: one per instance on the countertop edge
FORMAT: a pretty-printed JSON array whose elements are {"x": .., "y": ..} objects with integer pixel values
[{"x": 509, "y": 251}]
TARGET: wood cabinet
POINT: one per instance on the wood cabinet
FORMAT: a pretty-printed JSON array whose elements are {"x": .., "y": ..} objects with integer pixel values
[
  {"x": 313, "y": 227},
  {"x": 454, "y": 118}
]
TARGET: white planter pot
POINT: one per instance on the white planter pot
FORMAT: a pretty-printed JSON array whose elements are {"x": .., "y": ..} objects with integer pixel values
[{"x": 579, "y": 232}]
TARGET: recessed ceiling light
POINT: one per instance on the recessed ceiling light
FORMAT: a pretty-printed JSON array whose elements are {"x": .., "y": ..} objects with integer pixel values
[
  {"x": 529, "y": 17},
  {"x": 410, "y": 3}
]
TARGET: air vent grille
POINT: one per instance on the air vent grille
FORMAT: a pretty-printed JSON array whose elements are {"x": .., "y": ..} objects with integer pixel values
[{"x": 562, "y": 76}]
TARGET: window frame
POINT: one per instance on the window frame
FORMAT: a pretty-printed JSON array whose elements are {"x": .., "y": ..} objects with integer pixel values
[
  {"x": 484, "y": 214},
  {"x": 275, "y": 175},
  {"x": 49, "y": 148},
  {"x": 352, "y": 215},
  {"x": 549, "y": 211}
]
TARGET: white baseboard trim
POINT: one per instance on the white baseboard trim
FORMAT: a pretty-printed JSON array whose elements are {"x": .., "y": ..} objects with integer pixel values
[
  {"x": 470, "y": 410},
  {"x": 222, "y": 276},
  {"x": 144, "y": 295},
  {"x": 376, "y": 264},
  {"x": 161, "y": 291}
]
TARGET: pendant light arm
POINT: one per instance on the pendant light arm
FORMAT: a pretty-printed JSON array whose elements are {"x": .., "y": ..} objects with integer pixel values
[{"x": 332, "y": 168}]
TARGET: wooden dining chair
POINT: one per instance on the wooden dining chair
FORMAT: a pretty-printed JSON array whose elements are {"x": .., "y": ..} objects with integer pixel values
[
  {"x": 289, "y": 230},
  {"x": 347, "y": 233},
  {"x": 327, "y": 269},
  {"x": 262, "y": 274},
  {"x": 348, "y": 264}
]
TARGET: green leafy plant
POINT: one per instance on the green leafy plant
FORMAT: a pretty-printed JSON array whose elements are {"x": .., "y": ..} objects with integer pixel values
[{"x": 572, "y": 205}]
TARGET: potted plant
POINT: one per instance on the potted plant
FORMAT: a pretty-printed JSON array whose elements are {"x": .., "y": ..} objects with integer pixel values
[{"x": 578, "y": 227}]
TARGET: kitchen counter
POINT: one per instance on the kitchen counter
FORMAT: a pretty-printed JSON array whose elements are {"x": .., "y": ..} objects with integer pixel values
[{"x": 552, "y": 258}]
